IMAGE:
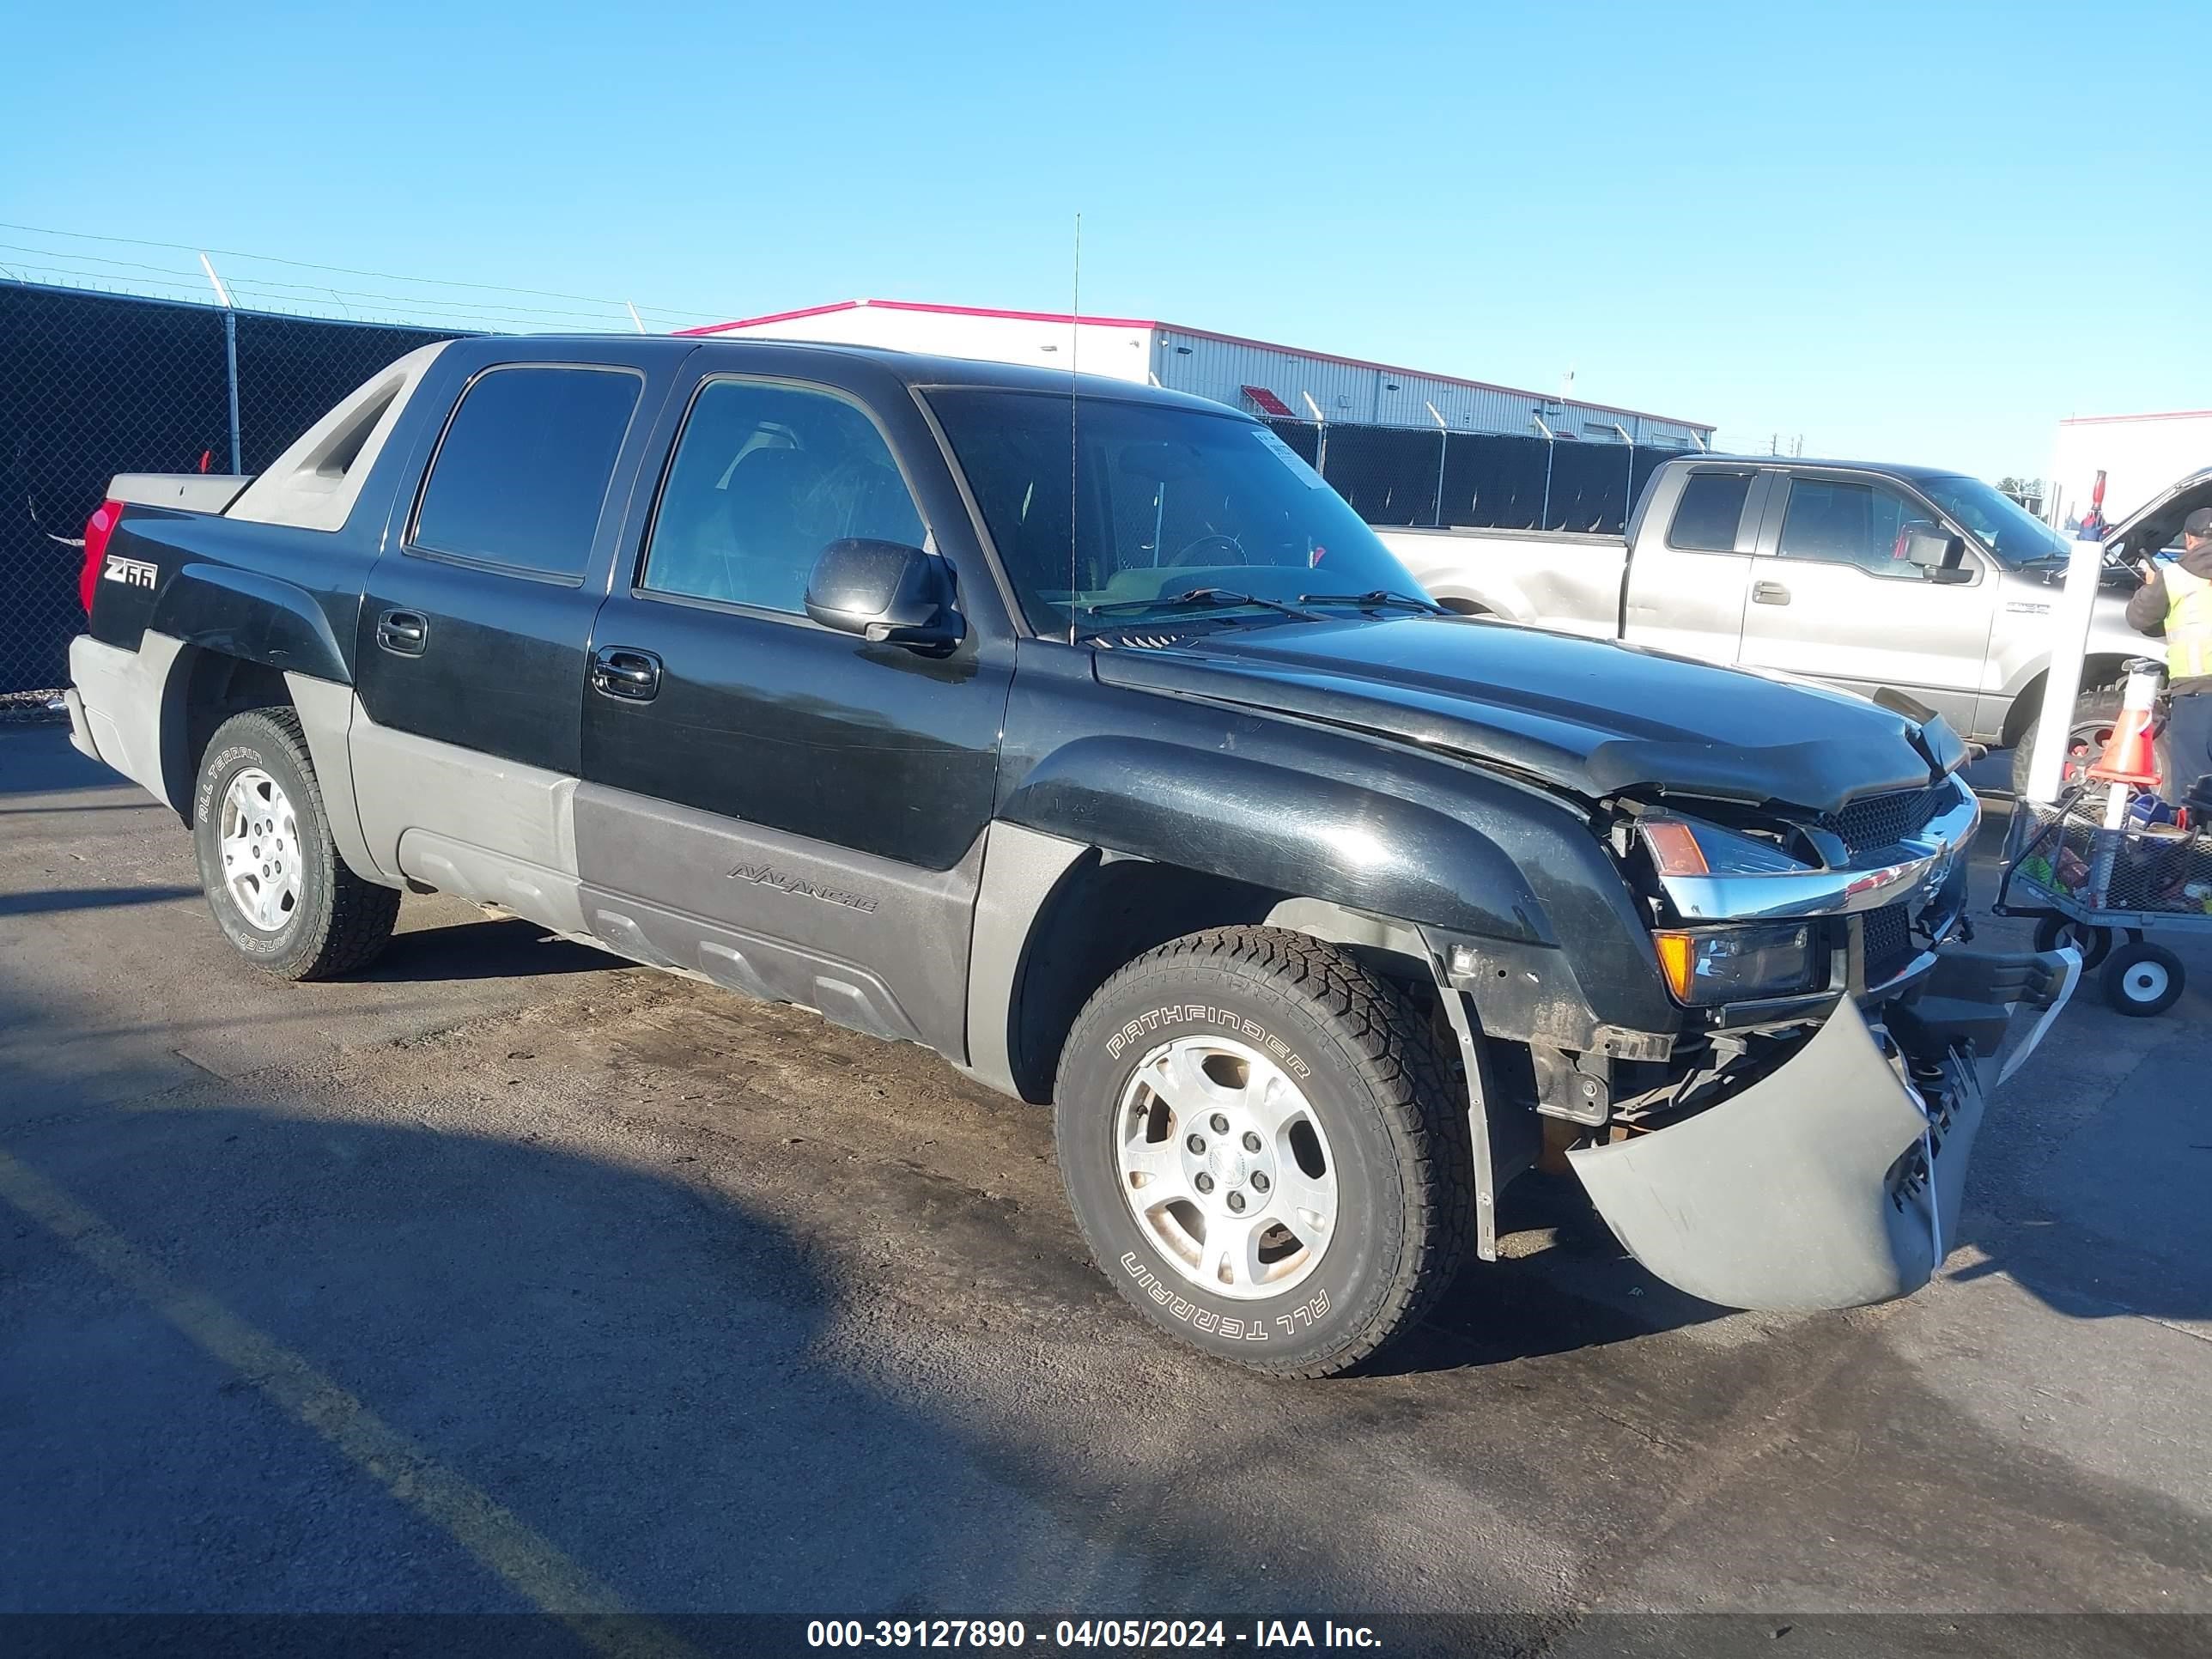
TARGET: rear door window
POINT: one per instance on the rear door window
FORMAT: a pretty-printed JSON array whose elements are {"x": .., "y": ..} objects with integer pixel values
[
  {"x": 522, "y": 471},
  {"x": 1711, "y": 508}
]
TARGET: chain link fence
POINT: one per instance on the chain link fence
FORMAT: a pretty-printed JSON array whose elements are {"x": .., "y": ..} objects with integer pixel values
[
  {"x": 1424, "y": 476},
  {"x": 92, "y": 385}
]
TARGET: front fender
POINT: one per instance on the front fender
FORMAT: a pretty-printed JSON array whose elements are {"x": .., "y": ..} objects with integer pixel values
[
  {"x": 252, "y": 616},
  {"x": 1464, "y": 854},
  {"x": 1247, "y": 820}
]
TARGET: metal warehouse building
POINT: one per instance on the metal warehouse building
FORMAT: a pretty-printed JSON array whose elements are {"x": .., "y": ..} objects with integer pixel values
[{"x": 1280, "y": 381}]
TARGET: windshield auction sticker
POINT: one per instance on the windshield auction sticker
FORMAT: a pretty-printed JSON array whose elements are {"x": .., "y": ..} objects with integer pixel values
[{"x": 1290, "y": 457}]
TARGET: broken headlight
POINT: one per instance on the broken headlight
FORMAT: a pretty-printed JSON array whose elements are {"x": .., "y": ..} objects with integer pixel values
[{"x": 1707, "y": 966}]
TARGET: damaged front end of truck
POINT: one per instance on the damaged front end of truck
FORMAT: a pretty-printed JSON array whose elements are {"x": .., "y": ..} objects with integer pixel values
[{"x": 1801, "y": 1142}]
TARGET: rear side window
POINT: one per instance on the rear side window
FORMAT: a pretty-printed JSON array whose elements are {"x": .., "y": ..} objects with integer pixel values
[
  {"x": 523, "y": 467},
  {"x": 1710, "y": 509}
]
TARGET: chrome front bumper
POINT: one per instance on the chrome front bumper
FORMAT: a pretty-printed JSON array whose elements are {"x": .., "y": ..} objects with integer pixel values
[
  {"x": 1835, "y": 1179},
  {"x": 1886, "y": 875}
]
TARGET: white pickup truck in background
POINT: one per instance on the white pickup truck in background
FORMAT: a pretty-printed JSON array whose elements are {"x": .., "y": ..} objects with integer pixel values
[{"x": 1868, "y": 577}]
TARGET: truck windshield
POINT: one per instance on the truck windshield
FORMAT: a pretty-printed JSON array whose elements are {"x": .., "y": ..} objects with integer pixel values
[
  {"x": 1167, "y": 501},
  {"x": 2000, "y": 523}
]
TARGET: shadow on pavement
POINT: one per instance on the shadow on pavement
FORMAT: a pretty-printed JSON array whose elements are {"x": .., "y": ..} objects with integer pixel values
[
  {"x": 618, "y": 1357},
  {"x": 88, "y": 898},
  {"x": 492, "y": 947},
  {"x": 37, "y": 760}
]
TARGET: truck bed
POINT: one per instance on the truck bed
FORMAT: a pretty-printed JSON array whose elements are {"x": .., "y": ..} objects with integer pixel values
[{"x": 1557, "y": 579}]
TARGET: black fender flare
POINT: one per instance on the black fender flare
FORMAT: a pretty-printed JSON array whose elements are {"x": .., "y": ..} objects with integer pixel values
[
  {"x": 252, "y": 616},
  {"x": 1460, "y": 852},
  {"x": 1249, "y": 819}
]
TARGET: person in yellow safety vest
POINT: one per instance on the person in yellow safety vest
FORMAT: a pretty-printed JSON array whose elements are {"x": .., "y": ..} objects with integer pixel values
[{"x": 2175, "y": 600}]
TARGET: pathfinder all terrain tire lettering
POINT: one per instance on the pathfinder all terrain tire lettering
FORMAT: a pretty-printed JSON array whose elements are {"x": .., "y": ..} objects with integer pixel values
[
  {"x": 341, "y": 922},
  {"x": 1369, "y": 1067}
]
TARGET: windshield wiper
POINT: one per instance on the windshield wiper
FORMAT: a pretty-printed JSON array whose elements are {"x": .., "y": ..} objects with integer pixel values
[
  {"x": 1376, "y": 598},
  {"x": 1210, "y": 597}
]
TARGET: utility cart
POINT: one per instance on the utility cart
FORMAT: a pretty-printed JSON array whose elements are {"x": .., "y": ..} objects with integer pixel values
[{"x": 2102, "y": 888}]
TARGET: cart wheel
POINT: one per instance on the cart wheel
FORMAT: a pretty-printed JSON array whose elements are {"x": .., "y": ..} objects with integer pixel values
[
  {"x": 2095, "y": 943},
  {"x": 2142, "y": 979}
]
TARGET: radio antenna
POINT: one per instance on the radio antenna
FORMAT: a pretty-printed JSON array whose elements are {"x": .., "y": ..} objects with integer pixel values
[{"x": 1074, "y": 350}]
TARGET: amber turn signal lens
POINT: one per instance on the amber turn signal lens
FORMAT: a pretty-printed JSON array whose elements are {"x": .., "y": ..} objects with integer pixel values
[
  {"x": 1675, "y": 960},
  {"x": 1674, "y": 847}
]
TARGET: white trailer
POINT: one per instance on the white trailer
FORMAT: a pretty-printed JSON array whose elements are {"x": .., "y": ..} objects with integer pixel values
[{"x": 2140, "y": 455}]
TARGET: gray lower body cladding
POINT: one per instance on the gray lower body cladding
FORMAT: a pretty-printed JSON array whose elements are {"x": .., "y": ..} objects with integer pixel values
[{"x": 872, "y": 945}]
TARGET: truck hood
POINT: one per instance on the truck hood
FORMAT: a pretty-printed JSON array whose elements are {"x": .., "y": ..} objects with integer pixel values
[{"x": 1585, "y": 715}]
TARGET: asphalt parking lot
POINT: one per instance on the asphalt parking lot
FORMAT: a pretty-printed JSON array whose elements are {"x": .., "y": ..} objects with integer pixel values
[{"x": 512, "y": 1278}]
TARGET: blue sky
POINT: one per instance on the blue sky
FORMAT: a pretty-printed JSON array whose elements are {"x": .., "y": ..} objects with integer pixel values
[{"x": 1923, "y": 233}]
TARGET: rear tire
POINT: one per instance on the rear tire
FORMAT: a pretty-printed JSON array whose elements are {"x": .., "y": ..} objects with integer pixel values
[
  {"x": 1262, "y": 1151},
  {"x": 280, "y": 891},
  {"x": 2095, "y": 943}
]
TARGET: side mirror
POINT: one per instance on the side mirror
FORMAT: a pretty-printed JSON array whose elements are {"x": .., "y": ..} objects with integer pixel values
[
  {"x": 1940, "y": 558},
  {"x": 887, "y": 593}
]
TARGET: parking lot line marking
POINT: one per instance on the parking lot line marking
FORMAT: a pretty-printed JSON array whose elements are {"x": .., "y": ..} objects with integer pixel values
[{"x": 527, "y": 1563}]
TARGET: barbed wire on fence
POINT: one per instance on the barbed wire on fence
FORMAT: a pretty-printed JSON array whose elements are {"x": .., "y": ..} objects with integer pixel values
[{"x": 73, "y": 259}]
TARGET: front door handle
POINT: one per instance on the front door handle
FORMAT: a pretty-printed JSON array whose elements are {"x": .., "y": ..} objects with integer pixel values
[
  {"x": 403, "y": 633},
  {"x": 631, "y": 676},
  {"x": 1769, "y": 593}
]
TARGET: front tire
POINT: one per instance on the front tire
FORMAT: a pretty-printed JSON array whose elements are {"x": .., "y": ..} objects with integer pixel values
[
  {"x": 280, "y": 891},
  {"x": 1263, "y": 1151}
]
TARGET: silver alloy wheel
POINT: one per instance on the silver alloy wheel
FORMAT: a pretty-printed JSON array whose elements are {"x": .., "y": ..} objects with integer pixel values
[
  {"x": 258, "y": 839},
  {"x": 1226, "y": 1167}
]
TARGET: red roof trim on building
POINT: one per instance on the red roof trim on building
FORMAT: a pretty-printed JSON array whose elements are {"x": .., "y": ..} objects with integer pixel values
[
  {"x": 2108, "y": 419},
  {"x": 772, "y": 317},
  {"x": 1208, "y": 334}
]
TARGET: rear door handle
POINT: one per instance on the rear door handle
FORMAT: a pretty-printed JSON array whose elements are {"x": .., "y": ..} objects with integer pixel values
[
  {"x": 403, "y": 633},
  {"x": 631, "y": 676},
  {"x": 1769, "y": 593}
]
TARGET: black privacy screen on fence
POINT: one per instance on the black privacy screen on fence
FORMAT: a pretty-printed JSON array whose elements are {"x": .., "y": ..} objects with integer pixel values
[
  {"x": 1423, "y": 476},
  {"x": 92, "y": 385}
]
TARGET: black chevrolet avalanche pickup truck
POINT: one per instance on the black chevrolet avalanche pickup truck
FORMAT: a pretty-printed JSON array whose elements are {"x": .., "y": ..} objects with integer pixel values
[{"x": 1080, "y": 732}]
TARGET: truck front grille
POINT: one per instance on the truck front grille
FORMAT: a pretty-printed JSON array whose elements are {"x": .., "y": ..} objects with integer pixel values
[
  {"x": 1884, "y": 820},
  {"x": 1886, "y": 942}
]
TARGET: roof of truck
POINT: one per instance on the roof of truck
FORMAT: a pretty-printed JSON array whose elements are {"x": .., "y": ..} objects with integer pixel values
[
  {"x": 915, "y": 368},
  {"x": 1893, "y": 468}
]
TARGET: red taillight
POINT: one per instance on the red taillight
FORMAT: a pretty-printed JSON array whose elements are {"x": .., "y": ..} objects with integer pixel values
[{"x": 97, "y": 529}]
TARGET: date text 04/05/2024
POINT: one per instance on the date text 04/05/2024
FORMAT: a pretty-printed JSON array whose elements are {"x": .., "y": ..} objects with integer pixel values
[{"x": 1138, "y": 1633}]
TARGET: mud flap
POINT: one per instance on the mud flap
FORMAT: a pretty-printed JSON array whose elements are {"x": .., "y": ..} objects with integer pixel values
[{"x": 1834, "y": 1181}]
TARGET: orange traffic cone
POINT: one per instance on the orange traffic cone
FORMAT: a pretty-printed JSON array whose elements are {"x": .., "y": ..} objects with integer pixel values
[{"x": 2129, "y": 756}]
